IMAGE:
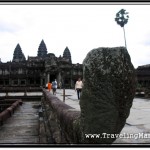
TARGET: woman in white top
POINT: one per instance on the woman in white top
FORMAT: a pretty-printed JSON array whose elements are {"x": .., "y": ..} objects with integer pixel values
[{"x": 78, "y": 87}]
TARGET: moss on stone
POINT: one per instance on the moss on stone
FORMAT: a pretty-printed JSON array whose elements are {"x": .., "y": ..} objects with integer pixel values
[{"x": 108, "y": 92}]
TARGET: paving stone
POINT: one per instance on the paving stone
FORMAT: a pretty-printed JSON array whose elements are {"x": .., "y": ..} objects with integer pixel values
[
  {"x": 21, "y": 140},
  {"x": 22, "y": 126}
]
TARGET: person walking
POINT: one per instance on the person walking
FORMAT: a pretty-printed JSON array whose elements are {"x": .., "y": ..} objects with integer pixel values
[
  {"x": 54, "y": 86},
  {"x": 49, "y": 86},
  {"x": 78, "y": 87}
]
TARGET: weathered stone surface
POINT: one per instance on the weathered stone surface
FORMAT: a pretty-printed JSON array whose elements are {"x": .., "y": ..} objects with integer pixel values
[
  {"x": 108, "y": 92},
  {"x": 61, "y": 118},
  {"x": 22, "y": 127}
]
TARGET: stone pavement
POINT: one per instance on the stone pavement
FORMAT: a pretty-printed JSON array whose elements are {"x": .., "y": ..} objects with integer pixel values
[
  {"x": 23, "y": 126},
  {"x": 137, "y": 124},
  {"x": 137, "y": 128},
  {"x": 70, "y": 98}
]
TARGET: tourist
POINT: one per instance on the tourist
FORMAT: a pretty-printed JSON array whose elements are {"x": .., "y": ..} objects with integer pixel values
[
  {"x": 78, "y": 87},
  {"x": 49, "y": 86},
  {"x": 54, "y": 86}
]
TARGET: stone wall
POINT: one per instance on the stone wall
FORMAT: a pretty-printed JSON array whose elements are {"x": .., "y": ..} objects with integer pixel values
[{"x": 20, "y": 89}]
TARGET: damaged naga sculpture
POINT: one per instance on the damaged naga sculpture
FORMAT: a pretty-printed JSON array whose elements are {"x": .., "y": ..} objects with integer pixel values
[{"x": 107, "y": 95}]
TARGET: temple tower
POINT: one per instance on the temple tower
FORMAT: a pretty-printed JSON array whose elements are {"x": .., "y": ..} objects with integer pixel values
[
  {"x": 67, "y": 54},
  {"x": 42, "y": 50},
  {"x": 18, "y": 54}
]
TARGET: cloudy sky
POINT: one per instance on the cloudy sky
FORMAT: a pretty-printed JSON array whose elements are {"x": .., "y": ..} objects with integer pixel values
[{"x": 80, "y": 27}]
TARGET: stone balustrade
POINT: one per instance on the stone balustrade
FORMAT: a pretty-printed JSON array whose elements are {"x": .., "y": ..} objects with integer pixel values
[
  {"x": 20, "y": 89},
  {"x": 8, "y": 106}
]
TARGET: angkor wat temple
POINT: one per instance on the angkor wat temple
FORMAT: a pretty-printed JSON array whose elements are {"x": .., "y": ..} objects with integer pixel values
[{"x": 39, "y": 70}]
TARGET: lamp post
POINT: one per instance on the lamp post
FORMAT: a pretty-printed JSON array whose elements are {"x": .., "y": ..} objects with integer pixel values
[{"x": 122, "y": 19}]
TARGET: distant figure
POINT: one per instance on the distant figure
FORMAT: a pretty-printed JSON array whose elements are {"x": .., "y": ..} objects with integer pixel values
[
  {"x": 78, "y": 87},
  {"x": 49, "y": 86},
  {"x": 54, "y": 86}
]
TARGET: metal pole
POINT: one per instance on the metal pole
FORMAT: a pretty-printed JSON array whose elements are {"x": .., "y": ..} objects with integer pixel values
[
  {"x": 63, "y": 94},
  {"x": 125, "y": 37}
]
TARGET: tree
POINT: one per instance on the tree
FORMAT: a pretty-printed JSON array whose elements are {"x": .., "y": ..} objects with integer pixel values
[{"x": 122, "y": 19}]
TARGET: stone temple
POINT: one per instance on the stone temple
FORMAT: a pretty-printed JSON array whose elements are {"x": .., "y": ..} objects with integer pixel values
[{"x": 38, "y": 70}]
